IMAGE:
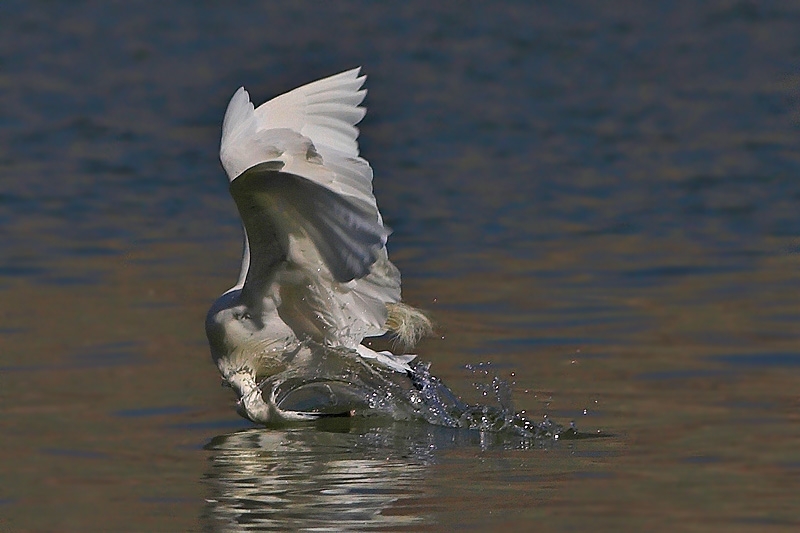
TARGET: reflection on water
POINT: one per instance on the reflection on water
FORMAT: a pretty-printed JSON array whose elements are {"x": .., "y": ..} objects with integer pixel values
[
  {"x": 342, "y": 474},
  {"x": 300, "y": 479}
]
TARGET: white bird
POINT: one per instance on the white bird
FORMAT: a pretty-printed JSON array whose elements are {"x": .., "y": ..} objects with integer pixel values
[{"x": 315, "y": 270}]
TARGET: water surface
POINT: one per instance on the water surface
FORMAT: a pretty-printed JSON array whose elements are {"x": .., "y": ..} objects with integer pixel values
[{"x": 600, "y": 200}]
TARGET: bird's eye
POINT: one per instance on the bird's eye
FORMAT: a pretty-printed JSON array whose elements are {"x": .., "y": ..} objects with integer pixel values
[{"x": 241, "y": 315}]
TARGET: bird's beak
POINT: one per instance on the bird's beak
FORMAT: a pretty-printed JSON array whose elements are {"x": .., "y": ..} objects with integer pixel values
[{"x": 250, "y": 405}]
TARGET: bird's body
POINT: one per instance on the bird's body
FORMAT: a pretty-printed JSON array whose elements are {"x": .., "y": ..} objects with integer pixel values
[{"x": 315, "y": 270}]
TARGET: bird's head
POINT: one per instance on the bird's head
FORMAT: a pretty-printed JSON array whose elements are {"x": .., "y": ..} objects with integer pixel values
[{"x": 230, "y": 325}]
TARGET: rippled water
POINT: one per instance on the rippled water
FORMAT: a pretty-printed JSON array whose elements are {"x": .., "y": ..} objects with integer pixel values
[{"x": 598, "y": 203}]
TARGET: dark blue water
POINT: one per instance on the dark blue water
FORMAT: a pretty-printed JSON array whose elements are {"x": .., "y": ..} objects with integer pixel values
[
  {"x": 600, "y": 198},
  {"x": 524, "y": 126}
]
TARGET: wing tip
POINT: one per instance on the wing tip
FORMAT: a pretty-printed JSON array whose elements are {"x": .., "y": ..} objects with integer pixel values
[{"x": 239, "y": 109}]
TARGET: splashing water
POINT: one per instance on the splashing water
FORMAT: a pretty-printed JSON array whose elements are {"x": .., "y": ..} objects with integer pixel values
[{"x": 338, "y": 382}]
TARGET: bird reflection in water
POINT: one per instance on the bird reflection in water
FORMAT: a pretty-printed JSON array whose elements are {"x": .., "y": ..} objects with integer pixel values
[
  {"x": 342, "y": 474},
  {"x": 305, "y": 478}
]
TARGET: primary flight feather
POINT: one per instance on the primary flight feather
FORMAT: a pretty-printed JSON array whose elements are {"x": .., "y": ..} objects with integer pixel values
[{"x": 315, "y": 269}]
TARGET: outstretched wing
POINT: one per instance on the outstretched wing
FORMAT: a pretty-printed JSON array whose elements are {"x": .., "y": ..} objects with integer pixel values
[
  {"x": 284, "y": 215},
  {"x": 325, "y": 111},
  {"x": 305, "y": 198}
]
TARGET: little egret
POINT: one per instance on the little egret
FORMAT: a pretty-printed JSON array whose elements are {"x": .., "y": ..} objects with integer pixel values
[{"x": 315, "y": 273}]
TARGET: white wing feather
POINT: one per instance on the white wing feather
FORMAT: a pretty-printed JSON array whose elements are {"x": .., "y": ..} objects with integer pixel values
[
  {"x": 325, "y": 111},
  {"x": 303, "y": 145}
]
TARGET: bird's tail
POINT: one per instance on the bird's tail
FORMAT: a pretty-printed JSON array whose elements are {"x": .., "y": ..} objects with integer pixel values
[{"x": 407, "y": 324}]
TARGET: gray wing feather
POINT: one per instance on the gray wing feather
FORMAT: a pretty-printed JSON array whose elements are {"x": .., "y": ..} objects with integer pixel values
[{"x": 274, "y": 204}]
